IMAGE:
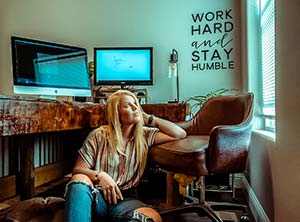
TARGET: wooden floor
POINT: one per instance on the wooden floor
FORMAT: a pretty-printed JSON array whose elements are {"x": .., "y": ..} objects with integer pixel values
[{"x": 152, "y": 192}]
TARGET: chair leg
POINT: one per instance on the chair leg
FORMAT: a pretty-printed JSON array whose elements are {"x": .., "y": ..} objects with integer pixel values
[
  {"x": 233, "y": 186},
  {"x": 200, "y": 185},
  {"x": 201, "y": 210},
  {"x": 220, "y": 206},
  {"x": 172, "y": 195},
  {"x": 200, "y": 207}
]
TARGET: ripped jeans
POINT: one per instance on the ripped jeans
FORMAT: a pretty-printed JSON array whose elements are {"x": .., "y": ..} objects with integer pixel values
[{"x": 85, "y": 203}]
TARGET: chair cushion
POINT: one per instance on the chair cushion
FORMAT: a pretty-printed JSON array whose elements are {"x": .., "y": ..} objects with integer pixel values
[
  {"x": 38, "y": 209},
  {"x": 185, "y": 156}
]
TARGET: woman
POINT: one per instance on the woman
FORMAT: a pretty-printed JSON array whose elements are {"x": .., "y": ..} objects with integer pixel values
[{"x": 112, "y": 161}]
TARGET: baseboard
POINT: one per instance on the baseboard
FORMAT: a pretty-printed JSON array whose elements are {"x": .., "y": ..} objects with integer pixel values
[{"x": 256, "y": 208}]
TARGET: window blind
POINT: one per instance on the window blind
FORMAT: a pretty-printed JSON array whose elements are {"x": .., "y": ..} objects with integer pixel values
[{"x": 268, "y": 57}]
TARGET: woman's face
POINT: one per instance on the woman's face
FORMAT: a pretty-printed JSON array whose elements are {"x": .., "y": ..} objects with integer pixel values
[{"x": 128, "y": 111}]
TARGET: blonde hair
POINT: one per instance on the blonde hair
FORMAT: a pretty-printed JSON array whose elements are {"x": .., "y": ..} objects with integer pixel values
[{"x": 114, "y": 128}]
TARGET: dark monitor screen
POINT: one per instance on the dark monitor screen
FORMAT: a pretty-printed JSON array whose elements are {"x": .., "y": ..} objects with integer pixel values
[{"x": 45, "y": 68}]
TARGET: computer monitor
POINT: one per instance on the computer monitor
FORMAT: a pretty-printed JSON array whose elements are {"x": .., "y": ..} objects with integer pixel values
[
  {"x": 49, "y": 69},
  {"x": 123, "y": 66}
]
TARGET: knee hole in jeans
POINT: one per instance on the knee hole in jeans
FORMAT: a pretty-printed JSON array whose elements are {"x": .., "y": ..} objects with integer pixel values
[
  {"x": 81, "y": 177},
  {"x": 146, "y": 214}
]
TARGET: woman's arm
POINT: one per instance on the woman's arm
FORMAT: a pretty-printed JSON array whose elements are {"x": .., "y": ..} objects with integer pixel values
[
  {"x": 168, "y": 131},
  {"x": 105, "y": 181},
  {"x": 81, "y": 167}
]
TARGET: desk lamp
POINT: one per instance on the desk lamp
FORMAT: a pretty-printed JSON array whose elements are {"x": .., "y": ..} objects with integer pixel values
[{"x": 173, "y": 70}]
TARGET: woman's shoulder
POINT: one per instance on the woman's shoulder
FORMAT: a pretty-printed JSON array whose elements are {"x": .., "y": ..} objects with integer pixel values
[
  {"x": 101, "y": 131},
  {"x": 149, "y": 134}
]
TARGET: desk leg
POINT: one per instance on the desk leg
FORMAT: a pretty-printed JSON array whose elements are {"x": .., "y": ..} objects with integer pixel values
[
  {"x": 172, "y": 198},
  {"x": 26, "y": 183}
]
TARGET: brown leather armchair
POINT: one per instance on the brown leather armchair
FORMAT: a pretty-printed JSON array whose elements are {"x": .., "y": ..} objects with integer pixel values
[{"x": 217, "y": 143}]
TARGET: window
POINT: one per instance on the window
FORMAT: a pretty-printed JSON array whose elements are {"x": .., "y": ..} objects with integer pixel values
[{"x": 267, "y": 41}]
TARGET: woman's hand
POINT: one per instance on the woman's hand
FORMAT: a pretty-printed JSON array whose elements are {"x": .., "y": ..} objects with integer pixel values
[
  {"x": 110, "y": 189},
  {"x": 145, "y": 118}
]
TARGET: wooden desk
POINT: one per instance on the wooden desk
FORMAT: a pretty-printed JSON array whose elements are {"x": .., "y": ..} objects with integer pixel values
[
  {"x": 22, "y": 119},
  {"x": 23, "y": 115}
]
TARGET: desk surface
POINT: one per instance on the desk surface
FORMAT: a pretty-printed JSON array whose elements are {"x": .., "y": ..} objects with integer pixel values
[{"x": 24, "y": 115}]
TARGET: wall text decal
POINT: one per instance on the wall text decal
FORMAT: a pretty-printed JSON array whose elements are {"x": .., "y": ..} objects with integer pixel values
[{"x": 213, "y": 49}]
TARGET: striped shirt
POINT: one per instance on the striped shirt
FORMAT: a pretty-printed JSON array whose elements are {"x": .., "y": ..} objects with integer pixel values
[{"x": 123, "y": 167}]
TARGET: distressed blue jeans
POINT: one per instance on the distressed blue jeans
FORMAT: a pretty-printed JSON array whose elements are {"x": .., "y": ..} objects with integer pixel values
[{"x": 85, "y": 203}]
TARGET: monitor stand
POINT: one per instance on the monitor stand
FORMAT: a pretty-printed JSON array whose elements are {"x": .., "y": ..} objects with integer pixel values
[
  {"x": 173, "y": 101},
  {"x": 48, "y": 97}
]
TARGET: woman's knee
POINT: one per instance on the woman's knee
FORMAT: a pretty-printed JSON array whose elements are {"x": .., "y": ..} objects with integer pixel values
[
  {"x": 147, "y": 212},
  {"x": 83, "y": 178}
]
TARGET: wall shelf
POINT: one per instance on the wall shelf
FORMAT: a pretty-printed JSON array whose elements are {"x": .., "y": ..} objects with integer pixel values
[{"x": 101, "y": 95}]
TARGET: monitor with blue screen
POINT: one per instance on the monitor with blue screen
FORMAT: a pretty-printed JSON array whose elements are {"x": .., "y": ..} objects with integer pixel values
[{"x": 123, "y": 66}]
